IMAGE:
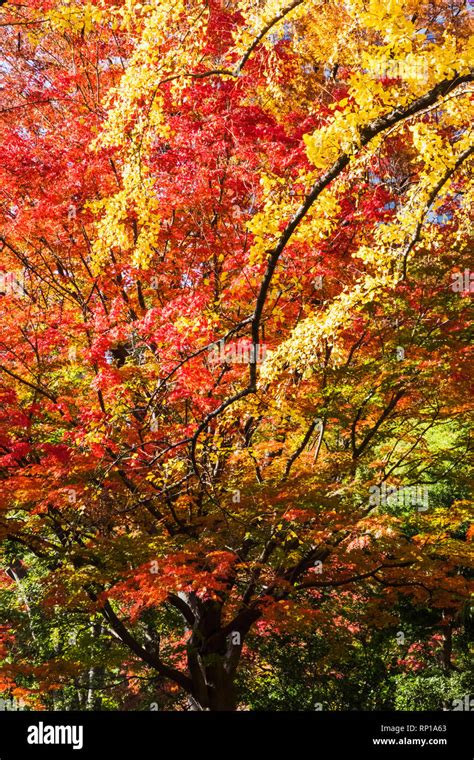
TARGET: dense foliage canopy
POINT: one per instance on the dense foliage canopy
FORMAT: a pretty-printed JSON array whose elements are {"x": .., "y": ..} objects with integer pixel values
[{"x": 234, "y": 358}]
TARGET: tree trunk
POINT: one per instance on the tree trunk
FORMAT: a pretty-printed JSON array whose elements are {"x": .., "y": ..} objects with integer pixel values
[
  {"x": 213, "y": 655},
  {"x": 218, "y": 696}
]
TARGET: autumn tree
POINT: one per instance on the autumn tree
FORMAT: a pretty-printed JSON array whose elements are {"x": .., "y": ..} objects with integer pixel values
[{"x": 234, "y": 356}]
